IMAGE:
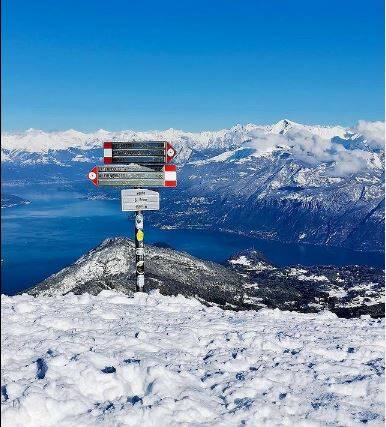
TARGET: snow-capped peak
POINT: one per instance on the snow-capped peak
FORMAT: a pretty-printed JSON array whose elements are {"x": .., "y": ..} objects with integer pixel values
[
  {"x": 327, "y": 132},
  {"x": 282, "y": 126},
  {"x": 39, "y": 141}
]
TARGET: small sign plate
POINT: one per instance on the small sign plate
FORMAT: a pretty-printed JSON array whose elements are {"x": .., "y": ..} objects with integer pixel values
[{"x": 139, "y": 200}]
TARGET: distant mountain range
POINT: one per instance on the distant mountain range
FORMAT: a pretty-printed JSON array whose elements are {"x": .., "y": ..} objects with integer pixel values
[
  {"x": 289, "y": 182},
  {"x": 11, "y": 201}
]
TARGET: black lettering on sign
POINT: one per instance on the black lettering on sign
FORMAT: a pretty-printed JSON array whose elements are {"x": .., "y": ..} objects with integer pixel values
[
  {"x": 131, "y": 175},
  {"x": 138, "y": 145},
  {"x": 133, "y": 182},
  {"x": 138, "y": 159},
  {"x": 133, "y": 167},
  {"x": 143, "y": 152}
]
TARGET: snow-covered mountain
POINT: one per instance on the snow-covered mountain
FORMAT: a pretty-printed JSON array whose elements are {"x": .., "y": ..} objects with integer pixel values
[
  {"x": 247, "y": 281},
  {"x": 11, "y": 201},
  {"x": 287, "y": 181},
  {"x": 38, "y": 141},
  {"x": 151, "y": 360}
]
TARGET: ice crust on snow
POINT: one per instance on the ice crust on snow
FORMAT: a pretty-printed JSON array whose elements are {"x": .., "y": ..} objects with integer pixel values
[{"x": 151, "y": 360}]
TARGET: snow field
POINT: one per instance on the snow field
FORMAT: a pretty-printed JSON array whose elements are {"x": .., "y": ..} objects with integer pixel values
[{"x": 151, "y": 360}]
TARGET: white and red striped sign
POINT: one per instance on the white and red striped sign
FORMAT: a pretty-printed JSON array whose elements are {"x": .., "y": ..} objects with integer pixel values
[
  {"x": 133, "y": 175},
  {"x": 107, "y": 152},
  {"x": 170, "y": 176}
]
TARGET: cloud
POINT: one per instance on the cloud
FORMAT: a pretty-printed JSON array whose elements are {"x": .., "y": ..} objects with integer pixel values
[
  {"x": 374, "y": 132},
  {"x": 263, "y": 142},
  {"x": 314, "y": 150}
]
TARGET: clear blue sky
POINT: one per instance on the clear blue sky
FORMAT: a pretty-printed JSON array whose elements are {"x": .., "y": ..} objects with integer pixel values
[{"x": 193, "y": 65}]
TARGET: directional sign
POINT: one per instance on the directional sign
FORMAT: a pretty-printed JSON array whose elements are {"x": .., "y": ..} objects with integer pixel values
[
  {"x": 140, "y": 152},
  {"x": 134, "y": 175},
  {"x": 139, "y": 200},
  {"x": 137, "y": 164}
]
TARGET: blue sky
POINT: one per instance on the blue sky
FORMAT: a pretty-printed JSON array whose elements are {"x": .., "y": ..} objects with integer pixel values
[{"x": 192, "y": 65}]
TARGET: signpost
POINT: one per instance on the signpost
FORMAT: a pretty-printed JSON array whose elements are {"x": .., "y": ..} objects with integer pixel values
[
  {"x": 134, "y": 175},
  {"x": 137, "y": 164}
]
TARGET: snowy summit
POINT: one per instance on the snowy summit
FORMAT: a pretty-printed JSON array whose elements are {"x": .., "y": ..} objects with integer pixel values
[{"x": 151, "y": 360}]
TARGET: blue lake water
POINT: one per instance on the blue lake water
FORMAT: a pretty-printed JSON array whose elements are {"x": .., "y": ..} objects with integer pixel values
[{"x": 58, "y": 227}]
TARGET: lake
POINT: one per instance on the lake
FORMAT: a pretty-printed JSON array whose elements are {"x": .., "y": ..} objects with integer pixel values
[{"x": 58, "y": 227}]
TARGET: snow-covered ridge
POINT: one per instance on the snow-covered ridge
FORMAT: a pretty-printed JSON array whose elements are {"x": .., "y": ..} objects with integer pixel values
[
  {"x": 152, "y": 360},
  {"x": 351, "y": 150},
  {"x": 246, "y": 281},
  {"x": 38, "y": 141}
]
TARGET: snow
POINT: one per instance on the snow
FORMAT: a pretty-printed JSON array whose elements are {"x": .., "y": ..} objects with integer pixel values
[
  {"x": 327, "y": 132},
  {"x": 374, "y": 132},
  {"x": 313, "y": 277},
  {"x": 39, "y": 141},
  {"x": 35, "y": 141},
  {"x": 337, "y": 293},
  {"x": 342, "y": 151},
  {"x": 220, "y": 158},
  {"x": 366, "y": 300},
  {"x": 151, "y": 360},
  {"x": 257, "y": 266},
  {"x": 80, "y": 158},
  {"x": 300, "y": 275},
  {"x": 296, "y": 271},
  {"x": 241, "y": 260}
]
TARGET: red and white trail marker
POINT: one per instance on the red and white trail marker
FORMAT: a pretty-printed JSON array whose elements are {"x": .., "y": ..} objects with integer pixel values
[
  {"x": 170, "y": 176},
  {"x": 133, "y": 176},
  {"x": 93, "y": 175},
  {"x": 107, "y": 152}
]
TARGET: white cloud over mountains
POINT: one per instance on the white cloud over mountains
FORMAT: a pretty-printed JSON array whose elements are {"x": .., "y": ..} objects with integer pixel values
[
  {"x": 374, "y": 132},
  {"x": 342, "y": 151},
  {"x": 314, "y": 150},
  {"x": 342, "y": 157}
]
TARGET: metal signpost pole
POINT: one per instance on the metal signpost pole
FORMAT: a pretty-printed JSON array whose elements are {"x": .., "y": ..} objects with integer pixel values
[{"x": 139, "y": 252}]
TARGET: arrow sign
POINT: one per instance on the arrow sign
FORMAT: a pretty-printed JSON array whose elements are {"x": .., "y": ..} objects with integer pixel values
[
  {"x": 139, "y": 200},
  {"x": 140, "y": 152},
  {"x": 133, "y": 175},
  {"x": 170, "y": 152}
]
